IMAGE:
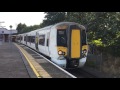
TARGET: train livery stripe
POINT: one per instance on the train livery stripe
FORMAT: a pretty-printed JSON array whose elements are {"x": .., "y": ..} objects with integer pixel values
[
  {"x": 75, "y": 43},
  {"x": 31, "y": 65},
  {"x": 35, "y": 71},
  {"x": 85, "y": 47}
]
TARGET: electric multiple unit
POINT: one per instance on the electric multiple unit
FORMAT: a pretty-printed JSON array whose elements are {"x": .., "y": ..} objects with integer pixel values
[{"x": 65, "y": 43}]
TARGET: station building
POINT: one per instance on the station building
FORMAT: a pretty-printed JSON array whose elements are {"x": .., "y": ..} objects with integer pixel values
[{"x": 6, "y": 34}]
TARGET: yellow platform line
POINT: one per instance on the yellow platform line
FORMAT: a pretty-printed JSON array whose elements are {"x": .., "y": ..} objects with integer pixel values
[{"x": 32, "y": 66}]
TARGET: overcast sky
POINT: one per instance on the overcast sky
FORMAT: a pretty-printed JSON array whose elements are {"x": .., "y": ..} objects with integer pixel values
[{"x": 14, "y": 18}]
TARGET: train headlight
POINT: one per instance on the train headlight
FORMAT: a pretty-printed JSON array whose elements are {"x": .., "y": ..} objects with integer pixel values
[
  {"x": 60, "y": 52},
  {"x": 84, "y": 51}
]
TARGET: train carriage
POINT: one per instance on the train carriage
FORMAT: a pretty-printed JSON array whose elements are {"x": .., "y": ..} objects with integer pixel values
[{"x": 65, "y": 43}]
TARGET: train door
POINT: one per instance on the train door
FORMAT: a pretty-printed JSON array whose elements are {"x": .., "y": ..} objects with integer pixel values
[
  {"x": 47, "y": 43},
  {"x": 74, "y": 45},
  {"x": 36, "y": 41},
  {"x": 20, "y": 38},
  {"x": 26, "y": 39}
]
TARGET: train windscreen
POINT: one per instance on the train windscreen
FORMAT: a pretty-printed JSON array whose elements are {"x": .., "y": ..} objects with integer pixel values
[{"x": 61, "y": 37}]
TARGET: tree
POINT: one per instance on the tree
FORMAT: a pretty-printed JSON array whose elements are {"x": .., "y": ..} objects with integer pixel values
[
  {"x": 30, "y": 28},
  {"x": 52, "y": 18},
  {"x": 20, "y": 27},
  {"x": 102, "y": 27},
  {"x": 10, "y": 26}
]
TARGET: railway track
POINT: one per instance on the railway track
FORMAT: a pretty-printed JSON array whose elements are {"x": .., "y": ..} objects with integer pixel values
[
  {"x": 74, "y": 73},
  {"x": 54, "y": 70},
  {"x": 81, "y": 73}
]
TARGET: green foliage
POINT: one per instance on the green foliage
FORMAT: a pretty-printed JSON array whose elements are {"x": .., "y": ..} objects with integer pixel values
[
  {"x": 20, "y": 28},
  {"x": 97, "y": 42},
  {"x": 52, "y": 18},
  {"x": 30, "y": 28},
  {"x": 10, "y": 26},
  {"x": 103, "y": 28}
]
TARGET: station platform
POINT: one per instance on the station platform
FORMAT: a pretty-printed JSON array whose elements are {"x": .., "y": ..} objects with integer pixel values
[
  {"x": 16, "y": 61},
  {"x": 13, "y": 63}
]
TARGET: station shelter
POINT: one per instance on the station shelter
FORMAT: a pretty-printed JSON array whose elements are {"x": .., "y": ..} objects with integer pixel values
[{"x": 6, "y": 35}]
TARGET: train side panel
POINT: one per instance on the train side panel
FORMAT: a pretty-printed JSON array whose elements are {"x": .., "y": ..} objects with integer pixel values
[
  {"x": 41, "y": 41},
  {"x": 53, "y": 49},
  {"x": 47, "y": 40}
]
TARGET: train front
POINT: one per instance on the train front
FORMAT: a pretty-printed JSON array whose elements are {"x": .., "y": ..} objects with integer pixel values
[{"x": 72, "y": 44}]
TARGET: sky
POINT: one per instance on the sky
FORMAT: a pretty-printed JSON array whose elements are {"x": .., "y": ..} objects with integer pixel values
[{"x": 14, "y": 18}]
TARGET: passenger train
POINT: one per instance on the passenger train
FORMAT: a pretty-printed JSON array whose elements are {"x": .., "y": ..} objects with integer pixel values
[{"x": 65, "y": 43}]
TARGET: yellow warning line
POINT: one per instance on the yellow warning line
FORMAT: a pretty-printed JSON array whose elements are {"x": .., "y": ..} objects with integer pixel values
[{"x": 31, "y": 65}]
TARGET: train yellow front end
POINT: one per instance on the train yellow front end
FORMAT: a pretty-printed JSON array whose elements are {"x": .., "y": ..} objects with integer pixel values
[{"x": 72, "y": 44}]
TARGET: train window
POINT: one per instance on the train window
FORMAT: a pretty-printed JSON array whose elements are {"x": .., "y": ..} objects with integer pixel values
[
  {"x": 84, "y": 41},
  {"x": 61, "y": 37},
  {"x": 42, "y": 40},
  {"x": 33, "y": 39},
  {"x": 25, "y": 38},
  {"x": 28, "y": 39},
  {"x": 18, "y": 38},
  {"x": 48, "y": 35},
  {"x": 21, "y": 38}
]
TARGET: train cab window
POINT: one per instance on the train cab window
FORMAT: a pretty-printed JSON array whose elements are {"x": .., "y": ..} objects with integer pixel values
[
  {"x": 84, "y": 39},
  {"x": 42, "y": 40},
  {"x": 61, "y": 37}
]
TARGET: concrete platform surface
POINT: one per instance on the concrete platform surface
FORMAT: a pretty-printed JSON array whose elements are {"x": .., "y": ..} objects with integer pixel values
[{"x": 12, "y": 64}]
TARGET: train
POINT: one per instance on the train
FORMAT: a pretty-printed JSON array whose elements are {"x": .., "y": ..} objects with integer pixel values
[{"x": 65, "y": 43}]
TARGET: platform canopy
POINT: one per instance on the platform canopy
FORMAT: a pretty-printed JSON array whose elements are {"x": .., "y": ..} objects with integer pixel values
[{"x": 6, "y": 31}]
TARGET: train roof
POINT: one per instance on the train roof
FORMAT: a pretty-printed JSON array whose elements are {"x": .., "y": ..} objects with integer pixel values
[
  {"x": 71, "y": 23},
  {"x": 66, "y": 23},
  {"x": 47, "y": 27},
  {"x": 60, "y": 23}
]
